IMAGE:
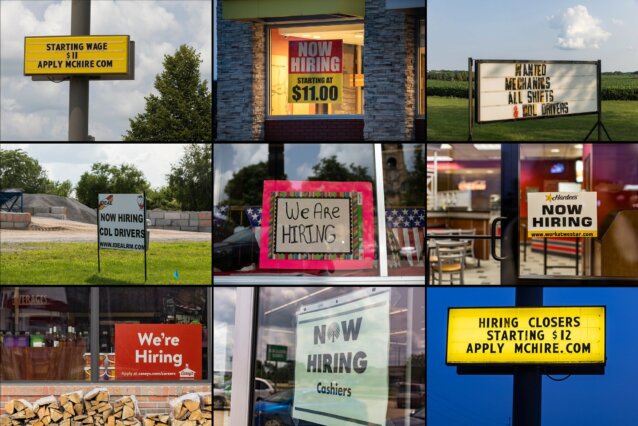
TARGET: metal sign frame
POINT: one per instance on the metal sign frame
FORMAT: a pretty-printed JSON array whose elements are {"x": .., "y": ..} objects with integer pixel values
[
  {"x": 58, "y": 75},
  {"x": 511, "y": 368}
]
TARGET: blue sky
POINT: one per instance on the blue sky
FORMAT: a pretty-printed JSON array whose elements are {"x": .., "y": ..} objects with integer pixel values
[
  {"x": 580, "y": 400},
  {"x": 539, "y": 29}
]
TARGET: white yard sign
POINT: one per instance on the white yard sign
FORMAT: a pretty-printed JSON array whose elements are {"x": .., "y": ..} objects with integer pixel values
[
  {"x": 562, "y": 214},
  {"x": 121, "y": 222},
  {"x": 515, "y": 90}
]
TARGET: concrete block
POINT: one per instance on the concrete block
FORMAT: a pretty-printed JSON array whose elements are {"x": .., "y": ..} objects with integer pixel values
[
  {"x": 206, "y": 222},
  {"x": 205, "y": 215},
  {"x": 162, "y": 222},
  {"x": 58, "y": 210},
  {"x": 205, "y": 229},
  {"x": 156, "y": 215},
  {"x": 193, "y": 215},
  {"x": 183, "y": 215},
  {"x": 172, "y": 215},
  {"x": 37, "y": 210},
  {"x": 180, "y": 223},
  {"x": 193, "y": 222},
  {"x": 6, "y": 225},
  {"x": 20, "y": 225},
  {"x": 189, "y": 228}
]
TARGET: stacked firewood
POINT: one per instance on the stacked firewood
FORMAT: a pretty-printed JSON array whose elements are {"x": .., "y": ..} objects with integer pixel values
[{"x": 192, "y": 410}]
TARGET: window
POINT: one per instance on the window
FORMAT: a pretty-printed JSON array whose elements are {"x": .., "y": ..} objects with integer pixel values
[
  {"x": 240, "y": 172},
  {"x": 351, "y": 35},
  {"x": 403, "y": 178},
  {"x": 397, "y": 392},
  {"x": 224, "y": 323},
  {"x": 44, "y": 333}
]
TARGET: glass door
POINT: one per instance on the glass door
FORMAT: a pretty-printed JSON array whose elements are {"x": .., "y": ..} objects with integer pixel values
[
  {"x": 605, "y": 178},
  {"x": 464, "y": 220}
]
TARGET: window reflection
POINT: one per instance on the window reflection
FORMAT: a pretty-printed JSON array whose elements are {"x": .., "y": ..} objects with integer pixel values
[
  {"x": 224, "y": 322},
  {"x": 277, "y": 326}
]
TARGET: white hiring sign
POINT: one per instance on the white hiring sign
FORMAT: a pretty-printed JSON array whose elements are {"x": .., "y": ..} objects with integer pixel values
[
  {"x": 562, "y": 214},
  {"x": 121, "y": 222},
  {"x": 516, "y": 90}
]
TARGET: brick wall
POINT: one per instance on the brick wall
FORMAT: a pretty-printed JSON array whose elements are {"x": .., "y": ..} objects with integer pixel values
[
  {"x": 15, "y": 220},
  {"x": 181, "y": 221},
  {"x": 314, "y": 130},
  {"x": 388, "y": 63},
  {"x": 151, "y": 398},
  {"x": 240, "y": 80}
]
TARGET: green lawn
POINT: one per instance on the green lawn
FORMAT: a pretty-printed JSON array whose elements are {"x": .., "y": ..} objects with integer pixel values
[
  {"x": 447, "y": 120},
  {"x": 76, "y": 263}
]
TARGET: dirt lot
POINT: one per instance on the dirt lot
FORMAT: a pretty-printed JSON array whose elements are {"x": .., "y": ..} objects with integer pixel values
[{"x": 54, "y": 230}]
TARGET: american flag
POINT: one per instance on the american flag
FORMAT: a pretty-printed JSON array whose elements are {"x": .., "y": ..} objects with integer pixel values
[
  {"x": 254, "y": 218},
  {"x": 220, "y": 214},
  {"x": 408, "y": 228}
]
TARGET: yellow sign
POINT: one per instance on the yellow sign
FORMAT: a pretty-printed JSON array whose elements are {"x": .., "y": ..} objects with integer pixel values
[
  {"x": 546, "y": 335},
  {"x": 315, "y": 88},
  {"x": 104, "y": 54}
]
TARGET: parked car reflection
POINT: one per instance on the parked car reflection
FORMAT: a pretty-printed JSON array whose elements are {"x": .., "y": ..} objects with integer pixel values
[{"x": 237, "y": 251}]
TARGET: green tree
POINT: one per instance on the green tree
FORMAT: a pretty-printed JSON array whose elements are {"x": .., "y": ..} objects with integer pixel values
[
  {"x": 414, "y": 194},
  {"x": 191, "y": 181},
  {"x": 18, "y": 170},
  {"x": 63, "y": 189},
  {"x": 182, "y": 111},
  {"x": 330, "y": 169},
  {"x": 246, "y": 186},
  {"x": 107, "y": 178}
]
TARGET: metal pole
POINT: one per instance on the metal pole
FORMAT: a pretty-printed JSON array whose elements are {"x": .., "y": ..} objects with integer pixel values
[
  {"x": 600, "y": 112},
  {"x": 526, "y": 410},
  {"x": 469, "y": 96},
  {"x": 79, "y": 85}
]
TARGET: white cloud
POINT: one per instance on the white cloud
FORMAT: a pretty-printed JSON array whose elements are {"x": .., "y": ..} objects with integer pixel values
[
  {"x": 578, "y": 29},
  {"x": 157, "y": 26},
  {"x": 618, "y": 22}
]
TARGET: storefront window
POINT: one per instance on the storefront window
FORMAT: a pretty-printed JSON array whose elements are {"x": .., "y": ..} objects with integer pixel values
[
  {"x": 329, "y": 354},
  {"x": 223, "y": 326},
  {"x": 319, "y": 187},
  {"x": 345, "y": 97},
  {"x": 153, "y": 334},
  {"x": 403, "y": 178},
  {"x": 421, "y": 72},
  {"x": 44, "y": 333}
]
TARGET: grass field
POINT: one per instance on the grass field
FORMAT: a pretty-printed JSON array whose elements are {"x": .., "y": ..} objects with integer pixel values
[
  {"x": 76, "y": 263},
  {"x": 447, "y": 120}
]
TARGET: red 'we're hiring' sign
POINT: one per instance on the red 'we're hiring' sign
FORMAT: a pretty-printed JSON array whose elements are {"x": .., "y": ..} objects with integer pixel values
[{"x": 158, "y": 351}]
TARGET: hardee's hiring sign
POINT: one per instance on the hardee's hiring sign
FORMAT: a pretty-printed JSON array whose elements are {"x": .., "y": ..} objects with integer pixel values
[
  {"x": 314, "y": 71},
  {"x": 562, "y": 214},
  {"x": 158, "y": 351}
]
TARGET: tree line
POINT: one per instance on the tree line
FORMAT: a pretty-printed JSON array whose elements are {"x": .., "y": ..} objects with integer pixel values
[{"x": 189, "y": 182}]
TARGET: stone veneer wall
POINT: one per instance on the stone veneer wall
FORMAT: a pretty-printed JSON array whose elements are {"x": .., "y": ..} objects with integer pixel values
[
  {"x": 240, "y": 79},
  {"x": 181, "y": 221},
  {"x": 389, "y": 73}
]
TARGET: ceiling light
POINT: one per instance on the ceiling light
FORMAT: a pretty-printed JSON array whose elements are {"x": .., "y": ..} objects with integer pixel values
[
  {"x": 555, "y": 150},
  {"x": 446, "y": 146},
  {"x": 487, "y": 146},
  {"x": 578, "y": 146}
]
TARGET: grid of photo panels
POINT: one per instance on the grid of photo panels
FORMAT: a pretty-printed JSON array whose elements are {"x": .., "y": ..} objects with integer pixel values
[
  {"x": 531, "y": 278},
  {"x": 319, "y": 284},
  {"x": 106, "y": 295}
]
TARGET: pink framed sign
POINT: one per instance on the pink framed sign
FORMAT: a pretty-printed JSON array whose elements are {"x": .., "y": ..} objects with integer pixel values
[{"x": 316, "y": 225}]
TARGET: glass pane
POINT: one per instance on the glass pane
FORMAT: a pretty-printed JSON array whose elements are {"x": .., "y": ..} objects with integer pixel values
[
  {"x": 284, "y": 355},
  {"x": 44, "y": 333},
  {"x": 403, "y": 176},
  {"x": 610, "y": 171},
  {"x": 352, "y": 71},
  {"x": 131, "y": 319},
  {"x": 464, "y": 198},
  {"x": 240, "y": 174},
  {"x": 224, "y": 324}
]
